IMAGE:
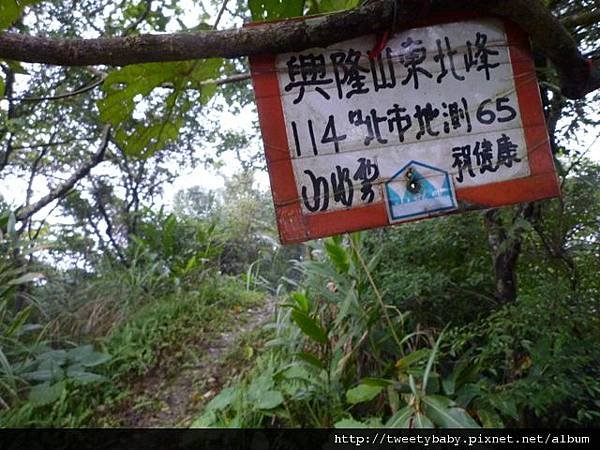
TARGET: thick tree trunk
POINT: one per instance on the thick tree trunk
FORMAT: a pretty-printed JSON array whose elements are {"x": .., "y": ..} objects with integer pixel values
[
  {"x": 506, "y": 246},
  {"x": 505, "y": 253}
]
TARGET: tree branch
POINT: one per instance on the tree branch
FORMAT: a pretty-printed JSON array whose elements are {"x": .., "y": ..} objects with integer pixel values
[
  {"x": 79, "y": 91},
  {"x": 545, "y": 30},
  {"x": 583, "y": 19},
  {"x": 26, "y": 212}
]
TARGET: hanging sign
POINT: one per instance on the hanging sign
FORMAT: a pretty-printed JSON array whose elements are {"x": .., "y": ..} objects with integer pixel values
[{"x": 443, "y": 118}]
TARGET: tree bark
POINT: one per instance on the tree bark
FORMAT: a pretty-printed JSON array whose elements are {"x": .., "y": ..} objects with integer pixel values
[
  {"x": 505, "y": 253},
  {"x": 578, "y": 75}
]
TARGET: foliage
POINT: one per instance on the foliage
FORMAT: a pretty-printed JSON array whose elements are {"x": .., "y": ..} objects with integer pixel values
[
  {"x": 172, "y": 323},
  {"x": 29, "y": 366},
  {"x": 329, "y": 335},
  {"x": 425, "y": 266},
  {"x": 10, "y": 11},
  {"x": 160, "y": 125}
]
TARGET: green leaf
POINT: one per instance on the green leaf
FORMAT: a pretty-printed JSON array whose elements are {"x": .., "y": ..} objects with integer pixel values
[
  {"x": 1, "y": 87},
  {"x": 17, "y": 323},
  {"x": 401, "y": 417},
  {"x": 223, "y": 399},
  {"x": 350, "y": 423},
  {"x": 264, "y": 10},
  {"x": 160, "y": 119},
  {"x": 58, "y": 356},
  {"x": 80, "y": 375},
  {"x": 270, "y": 400},
  {"x": 86, "y": 356},
  {"x": 415, "y": 420},
  {"x": 505, "y": 405},
  {"x": 309, "y": 326},
  {"x": 412, "y": 358},
  {"x": 311, "y": 359},
  {"x": 362, "y": 393},
  {"x": 11, "y": 10},
  {"x": 338, "y": 255},
  {"x": 421, "y": 421},
  {"x": 442, "y": 412},
  {"x": 302, "y": 301},
  {"x": 490, "y": 418},
  {"x": 206, "y": 420},
  {"x": 7, "y": 368},
  {"x": 296, "y": 372},
  {"x": 326, "y": 6},
  {"x": 382, "y": 382},
  {"x": 430, "y": 362},
  {"x": 53, "y": 374},
  {"x": 46, "y": 393}
]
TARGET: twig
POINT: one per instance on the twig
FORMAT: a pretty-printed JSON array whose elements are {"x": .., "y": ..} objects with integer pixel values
[{"x": 80, "y": 91}]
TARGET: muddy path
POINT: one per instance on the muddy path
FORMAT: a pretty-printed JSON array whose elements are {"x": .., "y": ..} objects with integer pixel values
[{"x": 170, "y": 396}]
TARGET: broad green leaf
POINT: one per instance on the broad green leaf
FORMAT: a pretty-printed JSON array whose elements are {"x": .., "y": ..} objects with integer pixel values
[
  {"x": 362, "y": 393},
  {"x": 263, "y": 10},
  {"x": 400, "y": 418},
  {"x": 326, "y": 6},
  {"x": 444, "y": 414},
  {"x": 148, "y": 130},
  {"x": 225, "y": 398},
  {"x": 79, "y": 374},
  {"x": 46, "y": 393},
  {"x": 302, "y": 301},
  {"x": 449, "y": 384},
  {"x": 296, "y": 372},
  {"x": 311, "y": 359},
  {"x": 260, "y": 385},
  {"x": 412, "y": 358},
  {"x": 11, "y": 10},
  {"x": 467, "y": 393},
  {"x": 146, "y": 139},
  {"x": 350, "y": 423},
  {"x": 16, "y": 66},
  {"x": 415, "y": 420},
  {"x": 86, "y": 356},
  {"x": 309, "y": 326},
  {"x": 270, "y": 400},
  {"x": 58, "y": 356},
  {"x": 338, "y": 255},
  {"x": 44, "y": 375},
  {"x": 490, "y": 418},
  {"x": 206, "y": 420},
  {"x": 505, "y": 405},
  {"x": 421, "y": 421},
  {"x": 1, "y": 87},
  {"x": 382, "y": 382}
]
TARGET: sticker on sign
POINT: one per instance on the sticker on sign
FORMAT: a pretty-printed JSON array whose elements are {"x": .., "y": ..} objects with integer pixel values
[{"x": 446, "y": 117}]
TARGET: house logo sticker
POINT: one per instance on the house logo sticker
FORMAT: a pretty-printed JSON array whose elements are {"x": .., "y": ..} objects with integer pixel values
[{"x": 419, "y": 190}]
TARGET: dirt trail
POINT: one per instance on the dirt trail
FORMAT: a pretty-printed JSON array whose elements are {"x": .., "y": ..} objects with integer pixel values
[{"x": 169, "y": 398}]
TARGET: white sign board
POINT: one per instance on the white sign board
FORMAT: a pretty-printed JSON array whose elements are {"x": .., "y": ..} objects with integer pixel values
[{"x": 436, "y": 111}]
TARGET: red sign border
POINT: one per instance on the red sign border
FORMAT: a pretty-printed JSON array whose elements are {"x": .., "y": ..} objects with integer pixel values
[{"x": 294, "y": 226}]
